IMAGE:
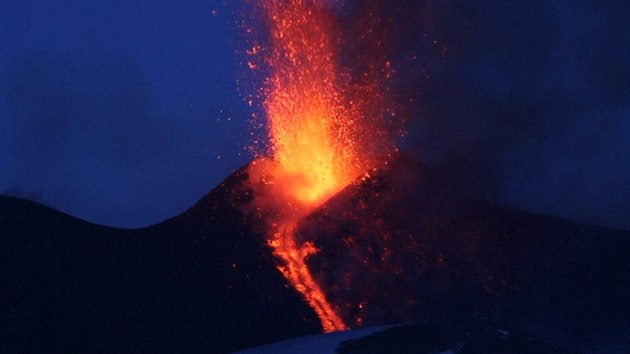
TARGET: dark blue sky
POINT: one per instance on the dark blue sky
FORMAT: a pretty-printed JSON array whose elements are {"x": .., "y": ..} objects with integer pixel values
[{"x": 117, "y": 111}]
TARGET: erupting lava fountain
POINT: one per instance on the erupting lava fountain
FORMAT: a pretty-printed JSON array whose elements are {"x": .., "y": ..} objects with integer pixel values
[{"x": 327, "y": 125}]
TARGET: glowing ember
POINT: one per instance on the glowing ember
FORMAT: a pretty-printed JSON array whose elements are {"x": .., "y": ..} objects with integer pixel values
[
  {"x": 311, "y": 128},
  {"x": 325, "y": 130}
]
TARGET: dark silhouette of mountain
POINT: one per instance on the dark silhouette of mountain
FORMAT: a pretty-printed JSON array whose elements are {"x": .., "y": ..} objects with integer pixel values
[
  {"x": 200, "y": 282},
  {"x": 409, "y": 243},
  {"x": 416, "y": 242}
]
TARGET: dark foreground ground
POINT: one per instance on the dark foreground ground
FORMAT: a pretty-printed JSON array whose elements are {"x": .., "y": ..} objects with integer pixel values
[{"x": 470, "y": 337}]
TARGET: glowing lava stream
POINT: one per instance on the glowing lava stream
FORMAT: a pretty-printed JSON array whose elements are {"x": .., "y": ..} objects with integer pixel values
[
  {"x": 324, "y": 128},
  {"x": 270, "y": 180},
  {"x": 297, "y": 272}
]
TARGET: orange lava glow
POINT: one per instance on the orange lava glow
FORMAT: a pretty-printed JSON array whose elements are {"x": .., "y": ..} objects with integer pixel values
[
  {"x": 298, "y": 274},
  {"x": 310, "y": 125},
  {"x": 323, "y": 130}
]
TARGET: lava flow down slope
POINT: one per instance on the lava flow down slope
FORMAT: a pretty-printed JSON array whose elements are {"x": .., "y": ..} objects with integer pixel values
[{"x": 412, "y": 243}]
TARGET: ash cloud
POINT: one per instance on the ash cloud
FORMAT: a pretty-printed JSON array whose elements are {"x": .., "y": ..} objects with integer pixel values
[{"x": 534, "y": 95}]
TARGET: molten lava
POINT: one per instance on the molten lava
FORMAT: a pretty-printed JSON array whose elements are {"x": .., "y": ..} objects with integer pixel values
[
  {"x": 312, "y": 130},
  {"x": 297, "y": 272},
  {"x": 325, "y": 128}
]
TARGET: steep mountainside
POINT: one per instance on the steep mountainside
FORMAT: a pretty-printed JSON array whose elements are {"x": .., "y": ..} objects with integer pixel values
[{"x": 409, "y": 243}]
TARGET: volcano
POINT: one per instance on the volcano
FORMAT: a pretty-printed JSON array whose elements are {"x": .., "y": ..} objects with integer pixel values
[{"x": 405, "y": 244}]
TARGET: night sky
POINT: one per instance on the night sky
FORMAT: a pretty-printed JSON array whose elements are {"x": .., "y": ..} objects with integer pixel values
[{"x": 125, "y": 113}]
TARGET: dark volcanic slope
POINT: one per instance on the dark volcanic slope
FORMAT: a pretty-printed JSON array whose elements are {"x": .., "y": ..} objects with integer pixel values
[
  {"x": 413, "y": 243},
  {"x": 199, "y": 282}
]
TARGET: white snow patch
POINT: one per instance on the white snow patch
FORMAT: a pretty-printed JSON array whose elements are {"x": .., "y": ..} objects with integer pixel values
[{"x": 318, "y": 343}]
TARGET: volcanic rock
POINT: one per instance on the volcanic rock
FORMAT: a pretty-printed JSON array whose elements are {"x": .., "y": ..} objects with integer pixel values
[{"x": 200, "y": 282}]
